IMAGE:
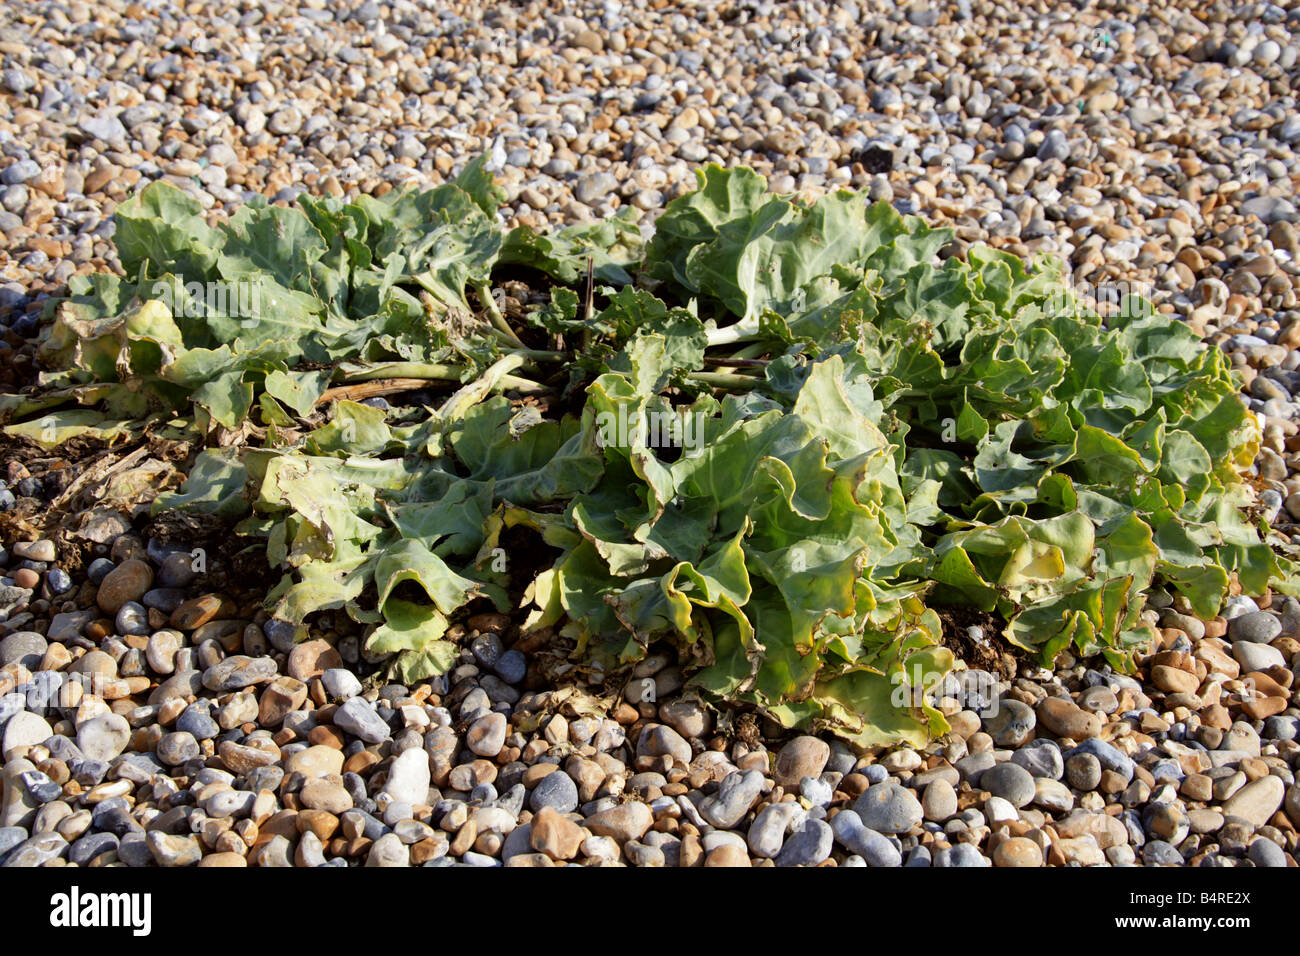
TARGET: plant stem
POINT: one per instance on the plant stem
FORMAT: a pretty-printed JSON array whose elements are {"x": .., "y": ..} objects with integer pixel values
[
  {"x": 724, "y": 380},
  {"x": 424, "y": 370},
  {"x": 543, "y": 355},
  {"x": 437, "y": 372},
  {"x": 751, "y": 351},
  {"x": 740, "y": 332},
  {"x": 498, "y": 321}
]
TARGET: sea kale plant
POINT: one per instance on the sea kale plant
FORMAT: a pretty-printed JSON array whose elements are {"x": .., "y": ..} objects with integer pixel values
[{"x": 776, "y": 436}]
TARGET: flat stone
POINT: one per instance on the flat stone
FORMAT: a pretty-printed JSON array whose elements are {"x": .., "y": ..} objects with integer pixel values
[
  {"x": 556, "y": 790},
  {"x": 172, "y": 851},
  {"x": 487, "y": 735},
  {"x": 1018, "y": 852},
  {"x": 628, "y": 821},
  {"x": 808, "y": 844},
  {"x": 24, "y": 729},
  {"x": 554, "y": 834},
  {"x": 889, "y": 808},
  {"x": 103, "y": 737},
  {"x": 37, "y": 851},
  {"x": 23, "y": 647},
  {"x": 1009, "y": 781},
  {"x": 1011, "y": 723},
  {"x": 873, "y": 847},
  {"x": 767, "y": 832},
  {"x": 1065, "y": 718},
  {"x": 1257, "y": 801},
  {"x": 804, "y": 756},
  {"x": 409, "y": 777},
  {"x": 126, "y": 582},
  {"x": 735, "y": 795},
  {"x": 311, "y": 659},
  {"x": 1255, "y": 627},
  {"x": 358, "y": 718}
]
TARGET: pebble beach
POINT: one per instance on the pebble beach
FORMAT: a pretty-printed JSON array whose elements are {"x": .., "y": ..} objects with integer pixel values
[{"x": 151, "y": 714}]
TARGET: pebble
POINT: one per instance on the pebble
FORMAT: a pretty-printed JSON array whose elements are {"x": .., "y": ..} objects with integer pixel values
[
  {"x": 1257, "y": 801},
  {"x": 1009, "y": 781},
  {"x": 767, "y": 832},
  {"x": 1257, "y": 657},
  {"x": 1083, "y": 771},
  {"x": 802, "y": 757},
  {"x": 808, "y": 844},
  {"x": 487, "y": 735},
  {"x": 358, "y": 718},
  {"x": 1042, "y": 758},
  {"x": 23, "y": 647},
  {"x": 1064, "y": 718},
  {"x": 24, "y": 729},
  {"x": 103, "y": 737},
  {"x": 1266, "y": 853},
  {"x": 340, "y": 684},
  {"x": 889, "y": 808},
  {"x": 126, "y": 582},
  {"x": 557, "y": 791},
  {"x": 939, "y": 801},
  {"x": 42, "y": 550},
  {"x": 1017, "y": 852},
  {"x": 37, "y": 851},
  {"x": 388, "y": 851},
  {"x": 1011, "y": 724},
  {"x": 736, "y": 794},
  {"x": 552, "y": 833},
  {"x": 171, "y": 851},
  {"x": 409, "y": 777},
  {"x": 1255, "y": 627},
  {"x": 963, "y": 855},
  {"x": 628, "y": 821},
  {"x": 874, "y": 847}
]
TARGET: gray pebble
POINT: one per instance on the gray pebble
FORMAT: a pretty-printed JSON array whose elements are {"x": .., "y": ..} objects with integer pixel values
[
  {"x": 808, "y": 844},
  {"x": 358, "y": 718},
  {"x": 888, "y": 808},
  {"x": 556, "y": 790}
]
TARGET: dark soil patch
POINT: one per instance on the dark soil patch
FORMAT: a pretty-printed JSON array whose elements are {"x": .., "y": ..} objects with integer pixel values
[{"x": 994, "y": 655}]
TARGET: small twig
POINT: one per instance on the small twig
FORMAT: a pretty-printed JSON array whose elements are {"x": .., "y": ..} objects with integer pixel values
[
  {"x": 393, "y": 377},
  {"x": 362, "y": 390},
  {"x": 589, "y": 297},
  {"x": 588, "y": 305}
]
